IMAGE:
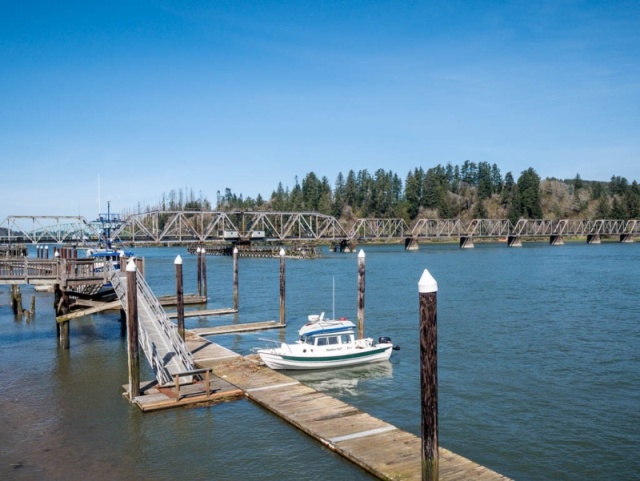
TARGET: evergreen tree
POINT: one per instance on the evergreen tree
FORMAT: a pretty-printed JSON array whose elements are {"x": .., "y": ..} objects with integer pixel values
[
  {"x": 485, "y": 184},
  {"x": 496, "y": 179},
  {"x": 351, "y": 190},
  {"x": 339, "y": 196},
  {"x": 617, "y": 211},
  {"x": 295, "y": 198},
  {"x": 413, "y": 192},
  {"x": 631, "y": 201},
  {"x": 528, "y": 195}
]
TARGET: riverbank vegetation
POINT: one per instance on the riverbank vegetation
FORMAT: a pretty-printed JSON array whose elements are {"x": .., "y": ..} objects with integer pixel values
[{"x": 464, "y": 191}]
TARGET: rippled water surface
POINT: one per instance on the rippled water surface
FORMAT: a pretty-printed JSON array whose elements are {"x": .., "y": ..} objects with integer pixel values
[{"x": 538, "y": 351}]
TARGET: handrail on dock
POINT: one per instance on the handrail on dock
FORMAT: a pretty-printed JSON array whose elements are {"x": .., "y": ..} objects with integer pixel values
[{"x": 193, "y": 372}]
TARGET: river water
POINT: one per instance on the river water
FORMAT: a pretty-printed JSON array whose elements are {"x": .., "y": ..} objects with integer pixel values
[{"x": 538, "y": 362}]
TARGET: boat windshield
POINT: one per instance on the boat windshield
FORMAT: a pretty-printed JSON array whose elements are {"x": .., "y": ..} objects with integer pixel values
[{"x": 326, "y": 340}]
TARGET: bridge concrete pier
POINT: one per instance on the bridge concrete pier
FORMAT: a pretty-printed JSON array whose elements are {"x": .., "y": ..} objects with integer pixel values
[
  {"x": 466, "y": 242},
  {"x": 626, "y": 238},
  {"x": 514, "y": 241},
  {"x": 593, "y": 239},
  {"x": 344, "y": 245},
  {"x": 556, "y": 240},
  {"x": 411, "y": 244}
]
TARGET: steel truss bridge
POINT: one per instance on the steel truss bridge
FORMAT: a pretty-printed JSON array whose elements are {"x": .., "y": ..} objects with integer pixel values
[{"x": 183, "y": 227}]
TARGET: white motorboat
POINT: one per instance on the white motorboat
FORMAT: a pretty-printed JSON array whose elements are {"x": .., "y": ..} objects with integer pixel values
[{"x": 327, "y": 343}]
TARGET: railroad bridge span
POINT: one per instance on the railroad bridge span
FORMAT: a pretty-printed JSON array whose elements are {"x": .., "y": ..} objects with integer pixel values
[{"x": 199, "y": 227}]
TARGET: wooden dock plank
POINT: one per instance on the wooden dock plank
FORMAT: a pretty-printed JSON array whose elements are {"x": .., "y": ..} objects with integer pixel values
[
  {"x": 234, "y": 328},
  {"x": 203, "y": 312},
  {"x": 99, "y": 307}
]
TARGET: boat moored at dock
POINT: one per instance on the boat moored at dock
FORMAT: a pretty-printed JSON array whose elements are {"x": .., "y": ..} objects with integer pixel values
[{"x": 327, "y": 343}]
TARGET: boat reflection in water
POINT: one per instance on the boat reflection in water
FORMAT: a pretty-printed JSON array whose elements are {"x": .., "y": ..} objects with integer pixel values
[{"x": 343, "y": 380}]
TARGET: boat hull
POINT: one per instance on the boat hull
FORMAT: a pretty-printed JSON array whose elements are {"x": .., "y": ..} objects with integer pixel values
[{"x": 280, "y": 360}]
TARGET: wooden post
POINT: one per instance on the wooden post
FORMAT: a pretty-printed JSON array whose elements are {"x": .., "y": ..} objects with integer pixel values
[
  {"x": 176, "y": 382},
  {"x": 203, "y": 253},
  {"x": 179, "y": 296},
  {"x": 235, "y": 278},
  {"x": 33, "y": 306},
  {"x": 64, "y": 328},
  {"x": 132, "y": 331},
  {"x": 199, "y": 270},
  {"x": 207, "y": 382},
  {"x": 57, "y": 298},
  {"x": 428, "y": 293},
  {"x": 361, "y": 271},
  {"x": 16, "y": 300},
  {"x": 282, "y": 288},
  {"x": 139, "y": 261}
]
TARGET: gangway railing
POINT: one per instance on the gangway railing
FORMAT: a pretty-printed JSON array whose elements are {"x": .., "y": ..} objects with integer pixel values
[{"x": 158, "y": 336}]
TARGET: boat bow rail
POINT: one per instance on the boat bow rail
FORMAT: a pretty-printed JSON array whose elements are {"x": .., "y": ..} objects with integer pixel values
[{"x": 158, "y": 336}]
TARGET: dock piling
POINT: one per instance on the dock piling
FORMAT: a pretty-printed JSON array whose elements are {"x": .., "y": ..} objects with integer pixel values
[
  {"x": 428, "y": 293},
  {"x": 361, "y": 272},
  {"x": 235, "y": 278},
  {"x": 282, "y": 287},
  {"x": 132, "y": 331},
  {"x": 199, "y": 270},
  {"x": 203, "y": 269},
  {"x": 179, "y": 296},
  {"x": 16, "y": 299}
]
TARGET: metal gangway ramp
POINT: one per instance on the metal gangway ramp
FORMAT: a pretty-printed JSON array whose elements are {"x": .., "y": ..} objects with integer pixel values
[{"x": 158, "y": 336}]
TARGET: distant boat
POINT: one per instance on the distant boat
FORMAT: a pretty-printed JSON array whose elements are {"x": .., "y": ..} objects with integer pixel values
[
  {"x": 103, "y": 254},
  {"x": 327, "y": 343}
]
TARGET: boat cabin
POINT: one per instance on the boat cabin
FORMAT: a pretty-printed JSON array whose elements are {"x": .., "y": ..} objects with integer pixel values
[{"x": 327, "y": 339}]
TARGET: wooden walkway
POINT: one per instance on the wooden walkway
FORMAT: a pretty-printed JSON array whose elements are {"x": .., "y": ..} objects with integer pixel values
[
  {"x": 154, "y": 398},
  {"x": 375, "y": 445},
  {"x": 233, "y": 328},
  {"x": 203, "y": 312}
]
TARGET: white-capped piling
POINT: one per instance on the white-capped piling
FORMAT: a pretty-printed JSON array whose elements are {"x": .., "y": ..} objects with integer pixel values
[
  {"x": 203, "y": 269},
  {"x": 235, "y": 278},
  {"x": 133, "y": 353},
  {"x": 428, "y": 294},
  {"x": 282, "y": 287},
  {"x": 360, "y": 315},
  {"x": 179, "y": 295},
  {"x": 199, "y": 270}
]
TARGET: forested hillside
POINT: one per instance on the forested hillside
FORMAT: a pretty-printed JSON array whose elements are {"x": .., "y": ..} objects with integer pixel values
[{"x": 467, "y": 191}]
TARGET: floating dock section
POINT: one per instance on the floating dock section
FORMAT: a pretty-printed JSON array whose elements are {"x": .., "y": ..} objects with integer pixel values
[{"x": 376, "y": 446}]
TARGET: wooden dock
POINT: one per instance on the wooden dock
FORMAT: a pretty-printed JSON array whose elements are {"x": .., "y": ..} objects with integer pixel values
[
  {"x": 376, "y": 446},
  {"x": 204, "y": 312},
  {"x": 234, "y": 328},
  {"x": 153, "y": 397}
]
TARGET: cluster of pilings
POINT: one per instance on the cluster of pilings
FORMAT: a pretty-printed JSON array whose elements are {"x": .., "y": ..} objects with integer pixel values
[
  {"x": 305, "y": 251},
  {"x": 16, "y": 304}
]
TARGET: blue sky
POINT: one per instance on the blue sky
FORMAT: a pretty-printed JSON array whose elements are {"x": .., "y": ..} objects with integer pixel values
[{"x": 125, "y": 101}]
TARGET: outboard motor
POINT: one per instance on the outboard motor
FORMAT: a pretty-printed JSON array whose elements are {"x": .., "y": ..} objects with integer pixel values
[{"x": 387, "y": 340}]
